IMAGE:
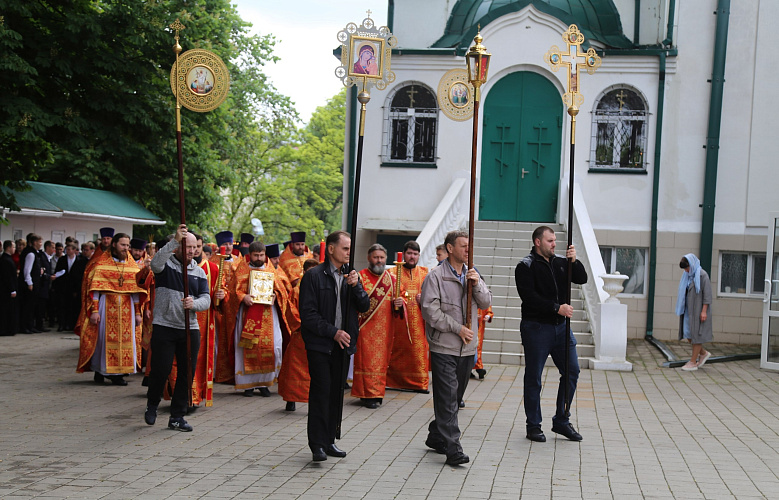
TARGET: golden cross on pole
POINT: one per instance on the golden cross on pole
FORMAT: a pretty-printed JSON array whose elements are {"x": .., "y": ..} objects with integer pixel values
[{"x": 574, "y": 61}]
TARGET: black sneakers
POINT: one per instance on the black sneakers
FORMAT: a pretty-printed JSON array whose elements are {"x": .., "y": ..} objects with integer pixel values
[
  {"x": 536, "y": 434},
  {"x": 568, "y": 431},
  {"x": 457, "y": 459},
  {"x": 151, "y": 414},
  {"x": 179, "y": 424},
  {"x": 438, "y": 447}
]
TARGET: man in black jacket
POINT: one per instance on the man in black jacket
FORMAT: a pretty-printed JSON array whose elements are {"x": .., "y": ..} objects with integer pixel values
[
  {"x": 69, "y": 271},
  {"x": 542, "y": 283},
  {"x": 327, "y": 330},
  {"x": 8, "y": 310}
]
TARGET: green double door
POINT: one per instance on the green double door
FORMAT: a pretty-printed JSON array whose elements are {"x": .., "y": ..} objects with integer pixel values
[{"x": 521, "y": 141}]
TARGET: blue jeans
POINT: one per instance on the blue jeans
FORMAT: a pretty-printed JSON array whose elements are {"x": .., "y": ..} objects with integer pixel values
[{"x": 539, "y": 340}]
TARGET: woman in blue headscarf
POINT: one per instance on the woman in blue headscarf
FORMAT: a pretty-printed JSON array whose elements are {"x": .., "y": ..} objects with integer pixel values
[{"x": 693, "y": 306}]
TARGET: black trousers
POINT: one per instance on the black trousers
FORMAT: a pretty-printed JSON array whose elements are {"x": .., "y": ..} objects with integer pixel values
[
  {"x": 9, "y": 315},
  {"x": 28, "y": 300},
  {"x": 165, "y": 344},
  {"x": 450, "y": 378},
  {"x": 324, "y": 395}
]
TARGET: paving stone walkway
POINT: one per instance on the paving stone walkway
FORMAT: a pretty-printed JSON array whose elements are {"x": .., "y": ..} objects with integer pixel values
[{"x": 651, "y": 433}]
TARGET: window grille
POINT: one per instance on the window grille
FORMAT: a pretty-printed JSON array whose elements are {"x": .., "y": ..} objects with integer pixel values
[
  {"x": 411, "y": 122},
  {"x": 619, "y": 131}
]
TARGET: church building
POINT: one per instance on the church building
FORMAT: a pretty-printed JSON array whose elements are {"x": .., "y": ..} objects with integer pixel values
[{"x": 673, "y": 153}]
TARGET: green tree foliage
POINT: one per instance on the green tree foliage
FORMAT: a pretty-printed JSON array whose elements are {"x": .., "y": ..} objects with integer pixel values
[
  {"x": 291, "y": 181},
  {"x": 87, "y": 101}
]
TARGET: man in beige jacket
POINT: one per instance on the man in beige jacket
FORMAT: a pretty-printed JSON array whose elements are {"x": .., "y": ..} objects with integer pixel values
[{"x": 452, "y": 345}]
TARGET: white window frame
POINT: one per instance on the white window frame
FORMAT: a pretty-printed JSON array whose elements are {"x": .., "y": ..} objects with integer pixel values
[
  {"x": 749, "y": 281},
  {"x": 613, "y": 264}
]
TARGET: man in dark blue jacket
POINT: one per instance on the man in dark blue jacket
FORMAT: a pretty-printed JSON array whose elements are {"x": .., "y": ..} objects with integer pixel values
[
  {"x": 542, "y": 283},
  {"x": 327, "y": 330}
]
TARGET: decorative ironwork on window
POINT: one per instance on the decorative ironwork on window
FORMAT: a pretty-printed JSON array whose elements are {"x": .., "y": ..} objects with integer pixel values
[
  {"x": 619, "y": 131},
  {"x": 410, "y": 126}
]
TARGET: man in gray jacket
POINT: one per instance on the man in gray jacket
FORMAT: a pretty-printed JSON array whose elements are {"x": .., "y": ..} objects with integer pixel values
[
  {"x": 170, "y": 337},
  {"x": 452, "y": 345}
]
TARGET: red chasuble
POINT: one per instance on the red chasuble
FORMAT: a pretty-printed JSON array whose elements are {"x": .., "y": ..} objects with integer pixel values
[
  {"x": 256, "y": 337},
  {"x": 374, "y": 344},
  {"x": 294, "y": 379},
  {"x": 292, "y": 264},
  {"x": 409, "y": 365},
  {"x": 225, "y": 323},
  {"x": 117, "y": 282},
  {"x": 485, "y": 315},
  {"x": 203, "y": 384}
]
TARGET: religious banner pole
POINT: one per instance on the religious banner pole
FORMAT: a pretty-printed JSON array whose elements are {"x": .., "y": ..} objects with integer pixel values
[
  {"x": 365, "y": 61},
  {"x": 478, "y": 63},
  {"x": 573, "y": 99},
  {"x": 200, "y": 81}
]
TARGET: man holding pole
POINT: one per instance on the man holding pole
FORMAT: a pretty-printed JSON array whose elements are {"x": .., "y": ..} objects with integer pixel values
[
  {"x": 329, "y": 327},
  {"x": 542, "y": 284},
  {"x": 170, "y": 335},
  {"x": 452, "y": 346}
]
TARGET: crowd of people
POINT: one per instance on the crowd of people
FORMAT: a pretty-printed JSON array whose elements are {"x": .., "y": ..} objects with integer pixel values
[{"x": 189, "y": 314}]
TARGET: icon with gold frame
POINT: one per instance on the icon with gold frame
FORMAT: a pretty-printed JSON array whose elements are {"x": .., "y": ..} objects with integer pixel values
[
  {"x": 261, "y": 286},
  {"x": 366, "y": 51},
  {"x": 200, "y": 79},
  {"x": 368, "y": 56}
]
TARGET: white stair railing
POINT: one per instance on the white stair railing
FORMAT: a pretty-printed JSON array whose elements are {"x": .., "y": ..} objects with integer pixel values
[{"x": 451, "y": 214}]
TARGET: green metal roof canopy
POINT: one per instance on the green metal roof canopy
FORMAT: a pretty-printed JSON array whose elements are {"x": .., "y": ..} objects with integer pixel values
[
  {"x": 83, "y": 202},
  {"x": 597, "y": 19}
]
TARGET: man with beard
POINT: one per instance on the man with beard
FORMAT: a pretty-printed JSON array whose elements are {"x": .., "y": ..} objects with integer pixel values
[
  {"x": 170, "y": 337},
  {"x": 257, "y": 336},
  {"x": 138, "y": 250},
  {"x": 376, "y": 331},
  {"x": 110, "y": 341},
  {"x": 293, "y": 257},
  {"x": 408, "y": 367}
]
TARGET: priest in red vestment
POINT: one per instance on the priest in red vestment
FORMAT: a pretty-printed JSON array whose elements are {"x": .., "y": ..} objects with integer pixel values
[
  {"x": 374, "y": 344},
  {"x": 224, "y": 318},
  {"x": 409, "y": 365},
  {"x": 294, "y": 255}
]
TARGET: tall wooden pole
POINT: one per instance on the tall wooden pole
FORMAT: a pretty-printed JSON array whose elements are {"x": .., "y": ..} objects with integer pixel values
[
  {"x": 573, "y": 111},
  {"x": 183, "y": 242},
  {"x": 472, "y": 212},
  {"x": 363, "y": 97}
]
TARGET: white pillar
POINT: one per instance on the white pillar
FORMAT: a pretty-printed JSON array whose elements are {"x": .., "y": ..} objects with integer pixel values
[{"x": 612, "y": 341}]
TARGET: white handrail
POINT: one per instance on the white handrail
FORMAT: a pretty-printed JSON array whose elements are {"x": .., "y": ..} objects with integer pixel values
[
  {"x": 451, "y": 214},
  {"x": 588, "y": 252}
]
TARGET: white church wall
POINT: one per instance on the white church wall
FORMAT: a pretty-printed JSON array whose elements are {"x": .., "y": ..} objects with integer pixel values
[
  {"x": 420, "y": 24},
  {"x": 51, "y": 228},
  {"x": 763, "y": 146}
]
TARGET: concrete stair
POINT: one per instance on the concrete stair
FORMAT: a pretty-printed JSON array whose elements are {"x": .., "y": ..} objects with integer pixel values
[{"x": 498, "y": 248}]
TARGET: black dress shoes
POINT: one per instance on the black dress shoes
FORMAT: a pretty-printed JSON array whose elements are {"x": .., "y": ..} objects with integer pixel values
[
  {"x": 98, "y": 378},
  {"x": 369, "y": 403},
  {"x": 457, "y": 459},
  {"x": 264, "y": 392},
  {"x": 438, "y": 447},
  {"x": 248, "y": 393},
  {"x": 536, "y": 434},
  {"x": 334, "y": 451},
  {"x": 482, "y": 372},
  {"x": 462, "y": 404},
  {"x": 117, "y": 380},
  {"x": 319, "y": 455},
  {"x": 150, "y": 416},
  {"x": 290, "y": 406},
  {"x": 568, "y": 431}
]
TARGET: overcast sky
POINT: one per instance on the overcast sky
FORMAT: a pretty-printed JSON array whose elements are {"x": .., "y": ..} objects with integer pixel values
[{"x": 305, "y": 31}]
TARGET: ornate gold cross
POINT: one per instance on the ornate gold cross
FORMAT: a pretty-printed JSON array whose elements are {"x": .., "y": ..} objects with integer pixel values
[
  {"x": 411, "y": 93},
  {"x": 574, "y": 61},
  {"x": 621, "y": 98}
]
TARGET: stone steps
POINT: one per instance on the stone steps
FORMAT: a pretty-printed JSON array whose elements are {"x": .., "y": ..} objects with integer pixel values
[{"x": 498, "y": 248}]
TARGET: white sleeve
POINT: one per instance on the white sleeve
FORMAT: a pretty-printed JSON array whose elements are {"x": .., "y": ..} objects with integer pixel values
[{"x": 28, "y": 267}]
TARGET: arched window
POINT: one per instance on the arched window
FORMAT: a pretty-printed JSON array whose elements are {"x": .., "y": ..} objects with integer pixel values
[
  {"x": 619, "y": 131},
  {"x": 410, "y": 126}
]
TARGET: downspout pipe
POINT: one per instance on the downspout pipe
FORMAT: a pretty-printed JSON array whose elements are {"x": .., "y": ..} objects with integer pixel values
[
  {"x": 391, "y": 15},
  {"x": 669, "y": 29},
  {"x": 650, "y": 305},
  {"x": 713, "y": 135}
]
